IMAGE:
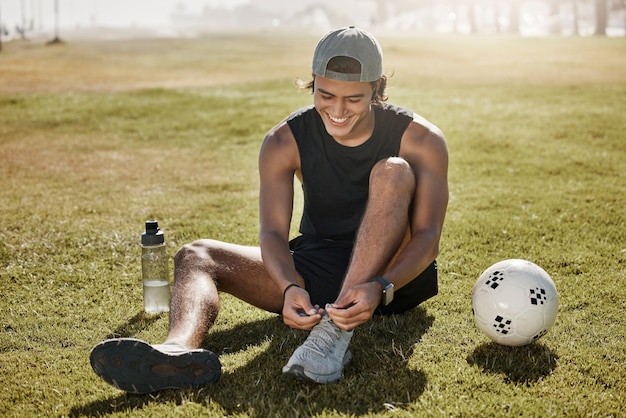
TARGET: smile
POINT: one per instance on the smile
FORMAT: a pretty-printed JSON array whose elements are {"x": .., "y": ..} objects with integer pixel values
[{"x": 337, "y": 120}]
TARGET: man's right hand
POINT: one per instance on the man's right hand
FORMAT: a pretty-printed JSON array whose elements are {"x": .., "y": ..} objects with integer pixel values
[{"x": 297, "y": 309}]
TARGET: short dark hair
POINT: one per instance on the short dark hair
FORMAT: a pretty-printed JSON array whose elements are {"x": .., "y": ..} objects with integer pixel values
[{"x": 348, "y": 65}]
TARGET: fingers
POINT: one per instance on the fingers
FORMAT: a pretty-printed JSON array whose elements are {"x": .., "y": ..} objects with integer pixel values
[
  {"x": 348, "y": 312},
  {"x": 354, "y": 307},
  {"x": 304, "y": 322},
  {"x": 298, "y": 312},
  {"x": 350, "y": 317}
]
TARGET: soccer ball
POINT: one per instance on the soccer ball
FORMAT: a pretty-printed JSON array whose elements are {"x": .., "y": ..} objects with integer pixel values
[{"x": 514, "y": 302}]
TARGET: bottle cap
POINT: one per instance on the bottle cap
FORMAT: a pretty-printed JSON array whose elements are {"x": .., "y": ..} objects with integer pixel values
[{"x": 153, "y": 235}]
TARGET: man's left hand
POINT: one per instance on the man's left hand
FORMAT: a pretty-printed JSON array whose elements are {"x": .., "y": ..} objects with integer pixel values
[{"x": 356, "y": 306}]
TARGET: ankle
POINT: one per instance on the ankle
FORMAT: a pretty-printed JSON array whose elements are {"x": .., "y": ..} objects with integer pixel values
[{"x": 175, "y": 343}]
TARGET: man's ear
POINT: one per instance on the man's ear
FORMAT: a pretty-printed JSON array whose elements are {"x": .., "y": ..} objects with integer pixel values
[{"x": 375, "y": 86}]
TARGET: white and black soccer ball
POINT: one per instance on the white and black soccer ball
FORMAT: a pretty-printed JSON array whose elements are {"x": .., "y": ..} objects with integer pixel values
[{"x": 514, "y": 302}]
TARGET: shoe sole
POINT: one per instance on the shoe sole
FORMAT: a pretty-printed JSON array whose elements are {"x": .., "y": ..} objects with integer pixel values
[
  {"x": 299, "y": 372},
  {"x": 136, "y": 367}
]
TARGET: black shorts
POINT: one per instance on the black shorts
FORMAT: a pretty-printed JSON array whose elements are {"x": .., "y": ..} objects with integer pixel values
[{"x": 323, "y": 264}]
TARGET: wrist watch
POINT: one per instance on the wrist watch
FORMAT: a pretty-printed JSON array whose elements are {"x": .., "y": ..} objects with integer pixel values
[{"x": 387, "y": 289}]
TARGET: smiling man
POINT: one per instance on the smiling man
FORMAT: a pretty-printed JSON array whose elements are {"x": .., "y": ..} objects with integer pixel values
[{"x": 374, "y": 177}]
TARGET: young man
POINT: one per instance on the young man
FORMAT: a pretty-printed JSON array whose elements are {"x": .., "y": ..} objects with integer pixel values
[{"x": 374, "y": 177}]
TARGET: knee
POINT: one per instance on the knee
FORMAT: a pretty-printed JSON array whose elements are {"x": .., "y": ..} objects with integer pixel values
[
  {"x": 394, "y": 172},
  {"x": 194, "y": 255}
]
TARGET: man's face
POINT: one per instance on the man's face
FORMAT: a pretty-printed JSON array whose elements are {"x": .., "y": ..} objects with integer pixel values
[{"x": 345, "y": 109}]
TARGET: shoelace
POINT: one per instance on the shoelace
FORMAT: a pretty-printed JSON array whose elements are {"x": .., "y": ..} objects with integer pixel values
[{"x": 323, "y": 338}]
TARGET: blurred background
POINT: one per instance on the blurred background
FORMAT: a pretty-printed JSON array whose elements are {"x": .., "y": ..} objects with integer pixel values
[{"x": 41, "y": 19}]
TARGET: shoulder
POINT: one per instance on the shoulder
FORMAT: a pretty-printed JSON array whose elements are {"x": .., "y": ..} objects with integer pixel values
[
  {"x": 282, "y": 132},
  {"x": 279, "y": 145},
  {"x": 395, "y": 110},
  {"x": 279, "y": 136},
  {"x": 285, "y": 132},
  {"x": 301, "y": 113},
  {"x": 423, "y": 132},
  {"x": 423, "y": 140}
]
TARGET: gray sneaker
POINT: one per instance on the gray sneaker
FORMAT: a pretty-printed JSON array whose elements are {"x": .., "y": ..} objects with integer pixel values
[
  {"x": 323, "y": 355},
  {"x": 138, "y": 367}
]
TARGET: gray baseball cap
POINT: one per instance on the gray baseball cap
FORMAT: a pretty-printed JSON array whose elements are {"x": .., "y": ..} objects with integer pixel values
[{"x": 349, "y": 42}]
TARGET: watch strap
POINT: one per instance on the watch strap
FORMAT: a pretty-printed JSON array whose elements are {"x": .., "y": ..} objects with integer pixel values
[
  {"x": 387, "y": 289},
  {"x": 384, "y": 282}
]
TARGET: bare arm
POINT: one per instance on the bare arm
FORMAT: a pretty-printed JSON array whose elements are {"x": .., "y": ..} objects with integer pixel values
[
  {"x": 424, "y": 147},
  {"x": 278, "y": 162}
]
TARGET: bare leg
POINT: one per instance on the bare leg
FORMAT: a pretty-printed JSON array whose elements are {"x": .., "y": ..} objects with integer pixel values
[
  {"x": 385, "y": 222},
  {"x": 200, "y": 270}
]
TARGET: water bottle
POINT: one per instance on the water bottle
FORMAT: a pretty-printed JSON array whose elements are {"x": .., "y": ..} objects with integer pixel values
[{"x": 154, "y": 270}]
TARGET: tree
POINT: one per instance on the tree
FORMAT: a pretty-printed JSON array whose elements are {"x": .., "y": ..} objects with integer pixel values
[
  {"x": 601, "y": 17},
  {"x": 514, "y": 16},
  {"x": 575, "y": 27},
  {"x": 1, "y": 30},
  {"x": 619, "y": 6},
  {"x": 56, "y": 39}
]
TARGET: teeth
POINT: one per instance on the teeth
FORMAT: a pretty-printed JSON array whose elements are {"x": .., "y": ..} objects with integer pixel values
[{"x": 340, "y": 120}]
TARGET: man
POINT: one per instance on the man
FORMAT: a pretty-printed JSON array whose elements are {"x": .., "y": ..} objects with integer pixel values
[{"x": 374, "y": 177}]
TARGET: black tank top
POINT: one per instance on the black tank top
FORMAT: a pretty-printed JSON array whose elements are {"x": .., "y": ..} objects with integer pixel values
[{"x": 335, "y": 178}]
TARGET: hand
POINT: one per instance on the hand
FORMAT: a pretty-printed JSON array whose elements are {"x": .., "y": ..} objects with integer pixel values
[
  {"x": 355, "y": 306},
  {"x": 297, "y": 309}
]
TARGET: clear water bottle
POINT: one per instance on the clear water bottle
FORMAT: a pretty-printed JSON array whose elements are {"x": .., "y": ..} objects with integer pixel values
[{"x": 154, "y": 270}]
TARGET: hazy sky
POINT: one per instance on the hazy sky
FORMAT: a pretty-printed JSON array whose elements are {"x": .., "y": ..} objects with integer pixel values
[{"x": 102, "y": 12}]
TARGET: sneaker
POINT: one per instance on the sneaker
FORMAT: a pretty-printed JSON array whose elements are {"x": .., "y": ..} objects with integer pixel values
[
  {"x": 323, "y": 355},
  {"x": 137, "y": 367}
]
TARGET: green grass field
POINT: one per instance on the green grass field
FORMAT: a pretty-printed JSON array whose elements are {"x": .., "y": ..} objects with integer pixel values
[{"x": 97, "y": 137}]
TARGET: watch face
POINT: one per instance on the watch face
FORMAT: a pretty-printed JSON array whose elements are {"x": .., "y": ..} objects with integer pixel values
[
  {"x": 388, "y": 294},
  {"x": 387, "y": 289}
]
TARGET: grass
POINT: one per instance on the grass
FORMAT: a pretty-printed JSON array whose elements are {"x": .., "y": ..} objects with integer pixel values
[{"x": 96, "y": 137}]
